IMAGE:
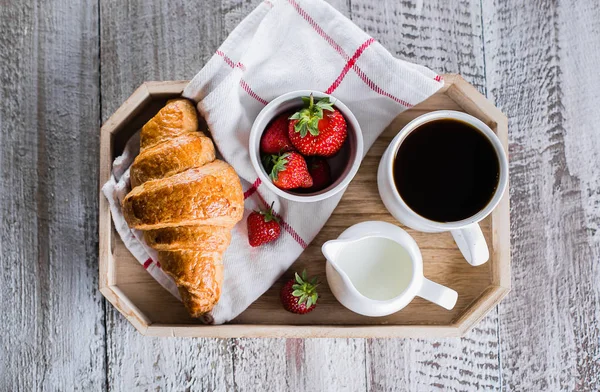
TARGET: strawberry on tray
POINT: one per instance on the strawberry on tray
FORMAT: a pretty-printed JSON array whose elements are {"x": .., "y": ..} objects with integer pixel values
[
  {"x": 299, "y": 295},
  {"x": 263, "y": 227}
]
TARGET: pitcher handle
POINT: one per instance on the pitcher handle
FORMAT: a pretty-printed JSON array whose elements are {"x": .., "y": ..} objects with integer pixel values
[
  {"x": 471, "y": 242},
  {"x": 438, "y": 294}
]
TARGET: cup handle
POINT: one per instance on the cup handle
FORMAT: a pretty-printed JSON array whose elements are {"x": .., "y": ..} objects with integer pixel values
[
  {"x": 438, "y": 294},
  {"x": 471, "y": 242}
]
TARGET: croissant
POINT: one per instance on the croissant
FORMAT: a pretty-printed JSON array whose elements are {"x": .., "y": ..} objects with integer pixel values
[{"x": 186, "y": 201}]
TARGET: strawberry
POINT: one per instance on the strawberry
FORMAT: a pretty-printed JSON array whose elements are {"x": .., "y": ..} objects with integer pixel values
[
  {"x": 275, "y": 139},
  {"x": 319, "y": 170},
  {"x": 315, "y": 132},
  {"x": 288, "y": 170},
  {"x": 263, "y": 227},
  {"x": 299, "y": 295}
]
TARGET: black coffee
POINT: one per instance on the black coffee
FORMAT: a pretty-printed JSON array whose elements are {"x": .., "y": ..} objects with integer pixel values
[{"x": 446, "y": 170}]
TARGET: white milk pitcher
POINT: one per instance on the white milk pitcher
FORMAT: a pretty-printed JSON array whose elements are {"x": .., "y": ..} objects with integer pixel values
[{"x": 375, "y": 268}]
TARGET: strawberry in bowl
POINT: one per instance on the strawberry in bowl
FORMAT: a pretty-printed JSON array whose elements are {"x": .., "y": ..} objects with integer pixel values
[
  {"x": 321, "y": 130},
  {"x": 320, "y": 172},
  {"x": 275, "y": 139},
  {"x": 318, "y": 129},
  {"x": 288, "y": 171}
]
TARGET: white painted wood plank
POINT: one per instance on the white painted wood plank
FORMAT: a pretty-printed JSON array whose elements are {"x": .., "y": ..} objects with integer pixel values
[
  {"x": 468, "y": 364},
  {"x": 268, "y": 363},
  {"x": 295, "y": 364},
  {"x": 299, "y": 364},
  {"x": 261, "y": 365},
  {"x": 158, "y": 40},
  {"x": 333, "y": 364},
  {"x": 51, "y": 329},
  {"x": 445, "y": 36},
  {"x": 541, "y": 60},
  {"x": 137, "y": 363}
]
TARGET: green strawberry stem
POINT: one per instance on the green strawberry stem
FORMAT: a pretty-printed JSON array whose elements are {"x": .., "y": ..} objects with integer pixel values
[
  {"x": 305, "y": 291},
  {"x": 309, "y": 117},
  {"x": 279, "y": 163},
  {"x": 267, "y": 161},
  {"x": 268, "y": 214}
]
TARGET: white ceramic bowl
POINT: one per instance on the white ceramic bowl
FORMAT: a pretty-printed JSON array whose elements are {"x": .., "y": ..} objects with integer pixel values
[{"x": 344, "y": 164}]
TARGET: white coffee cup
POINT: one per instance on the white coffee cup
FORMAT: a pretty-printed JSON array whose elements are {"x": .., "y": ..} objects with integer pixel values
[{"x": 466, "y": 232}]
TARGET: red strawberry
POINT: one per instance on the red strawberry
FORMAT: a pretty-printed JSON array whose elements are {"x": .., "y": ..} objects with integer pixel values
[
  {"x": 319, "y": 170},
  {"x": 275, "y": 139},
  {"x": 263, "y": 227},
  {"x": 299, "y": 295},
  {"x": 288, "y": 170},
  {"x": 314, "y": 132}
]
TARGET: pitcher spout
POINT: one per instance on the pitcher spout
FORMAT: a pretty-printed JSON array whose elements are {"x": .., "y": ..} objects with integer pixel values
[{"x": 331, "y": 249}]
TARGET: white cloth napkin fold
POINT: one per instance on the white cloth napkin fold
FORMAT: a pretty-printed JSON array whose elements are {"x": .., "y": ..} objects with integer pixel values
[{"x": 281, "y": 46}]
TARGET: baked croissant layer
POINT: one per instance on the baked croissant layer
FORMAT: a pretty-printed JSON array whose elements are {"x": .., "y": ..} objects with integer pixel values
[
  {"x": 173, "y": 156},
  {"x": 210, "y": 195},
  {"x": 186, "y": 201}
]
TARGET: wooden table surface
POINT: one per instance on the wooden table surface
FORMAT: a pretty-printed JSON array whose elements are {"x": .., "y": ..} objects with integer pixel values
[{"x": 65, "y": 66}]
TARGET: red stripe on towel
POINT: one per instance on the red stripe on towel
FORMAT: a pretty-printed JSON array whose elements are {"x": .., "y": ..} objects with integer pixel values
[
  {"x": 147, "y": 263},
  {"x": 318, "y": 29},
  {"x": 286, "y": 226},
  {"x": 242, "y": 81},
  {"x": 341, "y": 51},
  {"x": 226, "y": 59},
  {"x": 349, "y": 65},
  {"x": 251, "y": 92},
  {"x": 252, "y": 188},
  {"x": 378, "y": 89}
]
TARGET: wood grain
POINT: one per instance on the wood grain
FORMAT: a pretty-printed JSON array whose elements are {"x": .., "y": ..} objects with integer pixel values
[
  {"x": 134, "y": 292},
  {"x": 540, "y": 61},
  {"x": 233, "y": 13},
  {"x": 52, "y": 324},
  {"x": 446, "y": 36},
  {"x": 299, "y": 364},
  {"x": 169, "y": 40},
  {"x": 538, "y": 64}
]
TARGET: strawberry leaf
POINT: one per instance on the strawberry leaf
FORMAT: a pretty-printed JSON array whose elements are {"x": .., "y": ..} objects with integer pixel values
[
  {"x": 302, "y": 299},
  {"x": 325, "y": 104},
  {"x": 298, "y": 279},
  {"x": 308, "y": 118},
  {"x": 268, "y": 214},
  {"x": 267, "y": 161},
  {"x": 309, "y": 302},
  {"x": 313, "y": 127},
  {"x": 318, "y": 112},
  {"x": 279, "y": 164},
  {"x": 297, "y": 293}
]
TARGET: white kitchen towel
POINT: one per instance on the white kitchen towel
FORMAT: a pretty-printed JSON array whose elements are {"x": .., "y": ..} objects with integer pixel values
[{"x": 282, "y": 46}]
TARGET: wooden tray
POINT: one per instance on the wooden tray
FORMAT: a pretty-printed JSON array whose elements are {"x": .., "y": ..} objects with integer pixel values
[{"x": 153, "y": 311}]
